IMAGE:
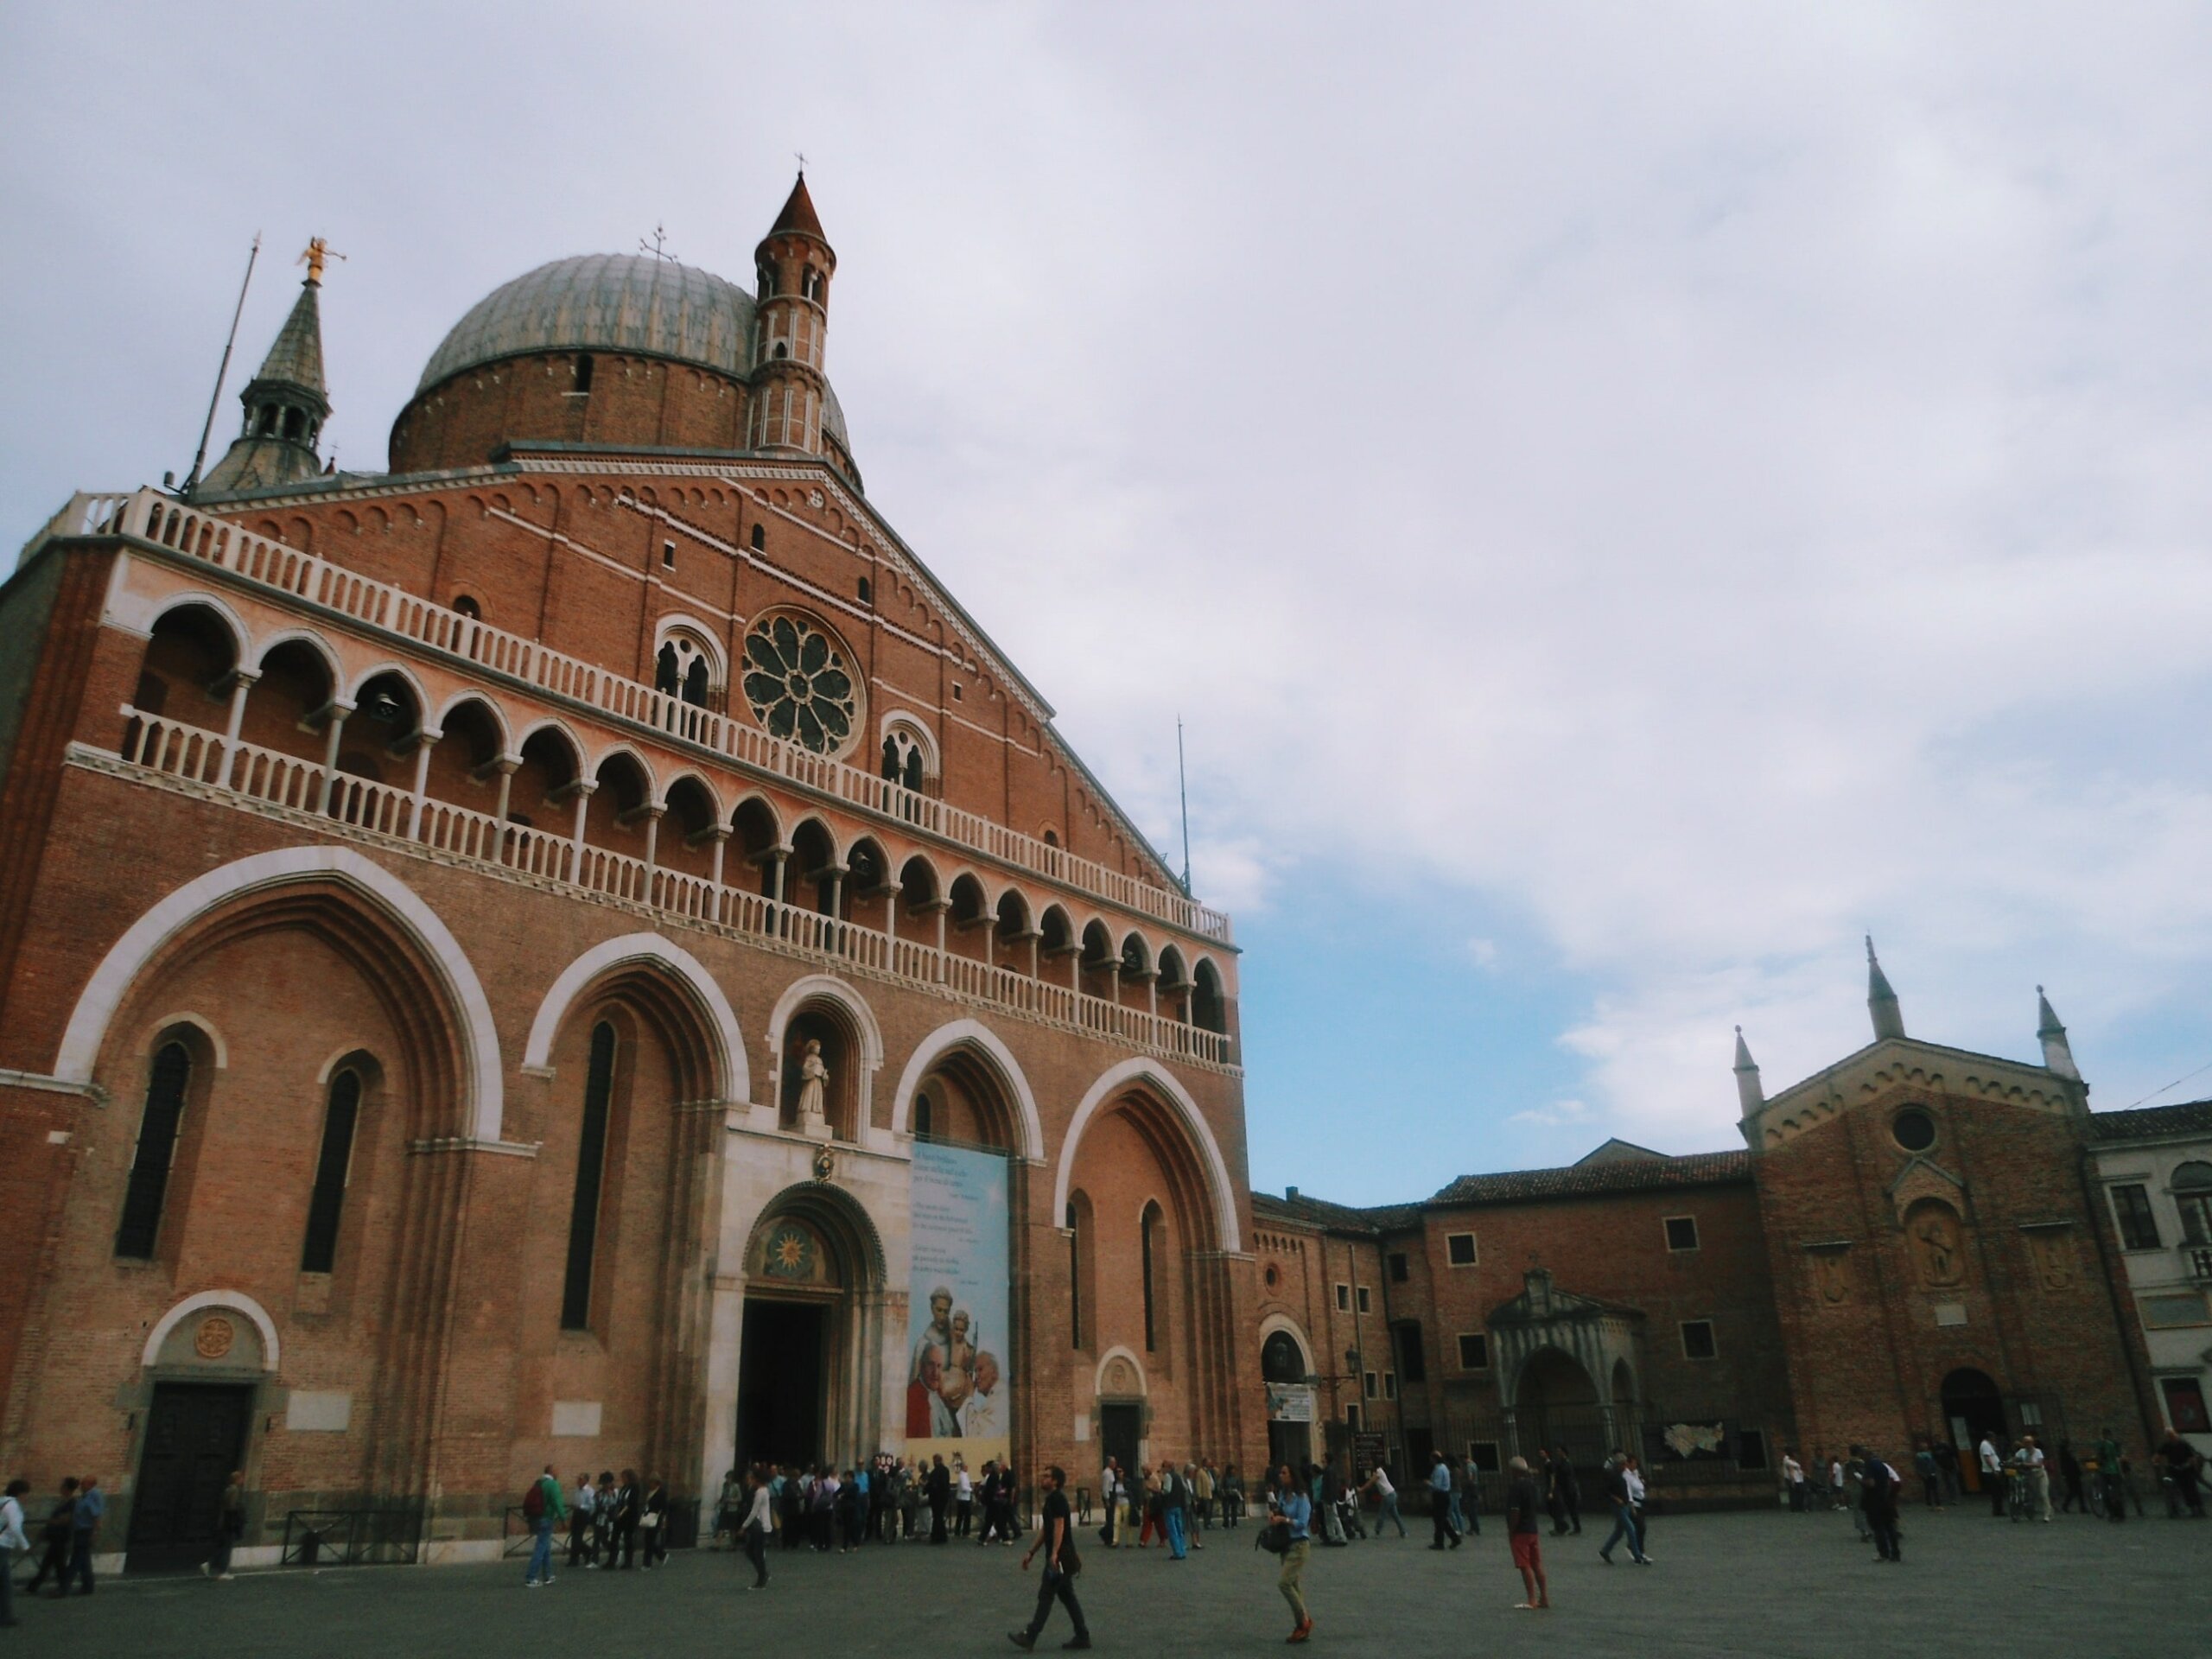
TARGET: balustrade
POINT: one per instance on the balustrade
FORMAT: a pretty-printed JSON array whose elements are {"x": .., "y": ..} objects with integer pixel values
[
  {"x": 152, "y": 516},
  {"x": 249, "y": 776}
]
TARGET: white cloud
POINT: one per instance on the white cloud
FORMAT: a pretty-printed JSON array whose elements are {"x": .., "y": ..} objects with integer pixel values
[{"x": 1557, "y": 1114}]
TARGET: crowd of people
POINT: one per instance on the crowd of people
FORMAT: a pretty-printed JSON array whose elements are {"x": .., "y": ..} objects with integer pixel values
[{"x": 2017, "y": 1482}]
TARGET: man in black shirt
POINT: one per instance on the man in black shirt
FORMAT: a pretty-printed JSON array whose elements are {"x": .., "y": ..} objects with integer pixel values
[
  {"x": 940, "y": 1494},
  {"x": 1056, "y": 1537},
  {"x": 1521, "y": 1505}
]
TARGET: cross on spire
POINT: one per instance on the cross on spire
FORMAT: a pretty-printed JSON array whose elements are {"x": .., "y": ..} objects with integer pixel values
[
  {"x": 802, "y": 159},
  {"x": 659, "y": 246}
]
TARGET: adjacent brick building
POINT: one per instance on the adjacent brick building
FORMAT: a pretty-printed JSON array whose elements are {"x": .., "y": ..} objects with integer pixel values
[
  {"x": 483, "y": 946},
  {"x": 1911, "y": 1245}
]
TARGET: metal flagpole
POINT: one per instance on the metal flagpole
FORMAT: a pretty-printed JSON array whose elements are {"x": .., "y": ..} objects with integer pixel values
[
  {"x": 1183, "y": 790},
  {"x": 192, "y": 480}
]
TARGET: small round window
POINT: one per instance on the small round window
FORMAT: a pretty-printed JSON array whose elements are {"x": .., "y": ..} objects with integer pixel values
[
  {"x": 1274, "y": 1275},
  {"x": 1914, "y": 1129}
]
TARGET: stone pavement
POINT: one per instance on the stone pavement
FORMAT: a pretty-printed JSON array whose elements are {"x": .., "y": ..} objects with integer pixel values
[{"x": 1765, "y": 1583}]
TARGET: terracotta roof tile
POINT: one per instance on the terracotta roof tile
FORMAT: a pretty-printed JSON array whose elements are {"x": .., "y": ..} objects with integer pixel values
[
  {"x": 2152, "y": 1122},
  {"x": 1582, "y": 1181}
]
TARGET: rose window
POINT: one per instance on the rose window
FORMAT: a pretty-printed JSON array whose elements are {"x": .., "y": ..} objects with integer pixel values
[{"x": 799, "y": 684}]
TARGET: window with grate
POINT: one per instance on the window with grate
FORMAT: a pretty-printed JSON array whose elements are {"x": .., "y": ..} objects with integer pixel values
[
  {"x": 1681, "y": 1232},
  {"x": 591, "y": 1160},
  {"x": 327, "y": 1202},
  {"x": 141, "y": 1226},
  {"x": 1460, "y": 1249},
  {"x": 1697, "y": 1340},
  {"x": 1474, "y": 1352}
]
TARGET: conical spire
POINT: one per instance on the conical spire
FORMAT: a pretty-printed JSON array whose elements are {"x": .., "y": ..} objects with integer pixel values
[
  {"x": 295, "y": 360},
  {"x": 2057, "y": 1053},
  {"x": 1748, "y": 1092},
  {"x": 798, "y": 214},
  {"x": 286, "y": 404},
  {"x": 1881, "y": 1000}
]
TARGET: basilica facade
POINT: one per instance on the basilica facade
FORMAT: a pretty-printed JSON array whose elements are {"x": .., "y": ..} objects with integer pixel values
[{"x": 578, "y": 949}]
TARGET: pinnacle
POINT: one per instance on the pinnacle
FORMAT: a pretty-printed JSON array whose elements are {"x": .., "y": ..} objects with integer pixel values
[{"x": 798, "y": 214}]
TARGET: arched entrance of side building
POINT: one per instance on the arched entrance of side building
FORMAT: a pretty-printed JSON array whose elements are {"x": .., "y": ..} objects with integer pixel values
[
  {"x": 812, "y": 1336},
  {"x": 1284, "y": 1368}
]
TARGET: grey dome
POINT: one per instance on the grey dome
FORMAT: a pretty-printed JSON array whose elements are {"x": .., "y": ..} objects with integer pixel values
[{"x": 605, "y": 302}]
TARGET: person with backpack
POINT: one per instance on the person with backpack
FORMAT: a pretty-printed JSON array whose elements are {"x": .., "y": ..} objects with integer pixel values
[{"x": 543, "y": 1508}]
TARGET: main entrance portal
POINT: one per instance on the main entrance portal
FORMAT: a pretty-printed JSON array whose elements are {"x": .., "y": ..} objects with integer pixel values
[
  {"x": 195, "y": 1435},
  {"x": 780, "y": 1382}
]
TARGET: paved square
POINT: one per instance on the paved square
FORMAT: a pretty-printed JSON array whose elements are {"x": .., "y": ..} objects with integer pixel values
[{"x": 1764, "y": 1583}]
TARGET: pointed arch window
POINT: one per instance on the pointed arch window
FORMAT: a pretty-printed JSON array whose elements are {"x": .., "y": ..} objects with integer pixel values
[
  {"x": 1148, "y": 1234},
  {"x": 327, "y": 1203},
  {"x": 591, "y": 1161},
  {"x": 141, "y": 1226}
]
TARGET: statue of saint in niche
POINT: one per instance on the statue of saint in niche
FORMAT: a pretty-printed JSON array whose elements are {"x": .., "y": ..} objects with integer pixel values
[
  {"x": 813, "y": 1092},
  {"x": 1942, "y": 1254},
  {"x": 1832, "y": 1271}
]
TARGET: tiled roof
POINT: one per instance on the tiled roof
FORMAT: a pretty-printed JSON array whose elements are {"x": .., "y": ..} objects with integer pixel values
[
  {"x": 1582, "y": 1181},
  {"x": 2152, "y": 1122},
  {"x": 296, "y": 357},
  {"x": 1303, "y": 1211},
  {"x": 798, "y": 214}
]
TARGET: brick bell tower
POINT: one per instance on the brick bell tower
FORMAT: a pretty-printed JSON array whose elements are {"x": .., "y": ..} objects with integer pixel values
[{"x": 792, "y": 265}]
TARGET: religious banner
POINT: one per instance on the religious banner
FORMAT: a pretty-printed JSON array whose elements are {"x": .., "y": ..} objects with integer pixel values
[
  {"x": 958, "y": 1389},
  {"x": 1290, "y": 1402}
]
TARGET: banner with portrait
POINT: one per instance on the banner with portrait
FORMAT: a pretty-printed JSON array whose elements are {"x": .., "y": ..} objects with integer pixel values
[{"x": 959, "y": 1391}]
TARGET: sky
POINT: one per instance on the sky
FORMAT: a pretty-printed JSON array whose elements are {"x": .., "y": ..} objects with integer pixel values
[{"x": 1626, "y": 500}]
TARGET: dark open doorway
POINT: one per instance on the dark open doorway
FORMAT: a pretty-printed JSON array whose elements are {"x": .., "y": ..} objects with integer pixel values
[
  {"x": 1120, "y": 1428},
  {"x": 1972, "y": 1407},
  {"x": 779, "y": 1387},
  {"x": 195, "y": 1435}
]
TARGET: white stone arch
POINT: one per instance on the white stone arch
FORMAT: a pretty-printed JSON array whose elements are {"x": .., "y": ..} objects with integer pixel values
[
  {"x": 972, "y": 1034},
  {"x": 323, "y": 650},
  {"x": 915, "y": 727},
  {"x": 714, "y": 795},
  {"x": 200, "y": 1023},
  {"x": 436, "y": 724},
  {"x": 1295, "y": 1332},
  {"x": 1118, "y": 1079},
  {"x": 154, "y": 610},
  {"x": 699, "y": 635},
  {"x": 483, "y": 1096},
  {"x": 731, "y": 1064},
  {"x": 829, "y": 988},
  {"x": 1119, "y": 1350},
  {"x": 375, "y": 670},
  {"x": 236, "y": 1301}
]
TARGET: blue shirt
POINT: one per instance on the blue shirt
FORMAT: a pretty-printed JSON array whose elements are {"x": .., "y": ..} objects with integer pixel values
[
  {"x": 1439, "y": 1479},
  {"x": 89, "y": 1507},
  {"x": 1297, "y": 1508}
]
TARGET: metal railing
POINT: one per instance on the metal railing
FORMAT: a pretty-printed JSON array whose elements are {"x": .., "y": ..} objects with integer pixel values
[
  {"x": 247, "y": 775},
  {"x": 351, "y": 1537},
  {"x": 152, "y": 516}
]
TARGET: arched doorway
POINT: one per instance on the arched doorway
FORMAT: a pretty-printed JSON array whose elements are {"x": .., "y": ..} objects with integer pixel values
[
  {"x": 1557, "y": 1404},
  {"x": 1973, "y": 1406},
  {"x": 1283, "y": 1368},
  {"x": 812, "y": 1340}
]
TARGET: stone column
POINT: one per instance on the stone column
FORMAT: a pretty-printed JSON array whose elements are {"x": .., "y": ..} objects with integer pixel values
[
  {"x": 335, "y": 723},
  {"x": 241, "y": 683},
  {"x": 424, "y": 742}
]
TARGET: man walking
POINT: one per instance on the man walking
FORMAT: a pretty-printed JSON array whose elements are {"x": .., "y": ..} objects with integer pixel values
[
  {"x": 545, "y": 1509},
  {"x": 92, "y": 1504},
  {"x": 2113, "y": 1490},
  {"x": 1439, "y": 1506},
  {"x": 1617, "y": 1493},
  {"x": 59, "y": 1530},
  {"x": 1386, "y": 1501},
  {"x": 1057, "y": 1539},
  {"x": 1992, "y": 1475},
  {"x": 1291, "y": 1510},
  {"x": 2182, "y": 1461},
  {"x": 1521, "y": 1503},
  {"x": 1570, "y": 1489},
  {"x": 1878, "y": 1484},
  {"x": 1793, "y": 1473}
]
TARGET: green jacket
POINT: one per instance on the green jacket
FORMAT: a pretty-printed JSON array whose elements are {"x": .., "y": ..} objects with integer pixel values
[{"x": 556, "y": 1507}]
